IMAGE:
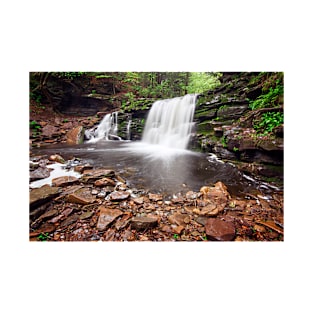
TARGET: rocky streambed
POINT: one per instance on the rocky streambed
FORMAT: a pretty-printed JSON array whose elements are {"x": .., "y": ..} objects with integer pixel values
[{"x": 97, "y": 204}]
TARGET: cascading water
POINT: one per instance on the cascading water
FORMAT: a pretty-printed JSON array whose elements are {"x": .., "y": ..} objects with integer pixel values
[
  {"x": 128, "y": 134},
  {"x": 106, "y": 130},
  {"x": 170, "y": 122}
]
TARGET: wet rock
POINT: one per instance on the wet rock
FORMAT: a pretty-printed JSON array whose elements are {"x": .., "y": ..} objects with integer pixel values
[
  {"x": 101, "y": 194},
  {"x": 217, "y": 195},
  {"x": 82, "y": 168},
  {"x": 90, "y": 176},
  {"x": 41, "y": 195},
  {"x": 64, "y": 181},
  {"x": 75, "y": 136},
  {"x": 138, "y": 200},
  {"x": 123, "y": 222},
  {"x": 107, "y": 216},
  {"x": 49, "y": 131},
  {"x": 191, "y": 195},
  {"x": 56, "y": 158},
  {"x": 220, "y": 230},
  {"x": 70, "y": 220},
  {"x": 109, "y": 235},
  {"x": 43, "y": 230},
  {"x": 128, "y": 236},
  {"x": 166, "y": 229},
  {"x": 86, "y": 215},
  {"x": 179, "y": 219},
  {"x": 202, "y": 220},
  {"x": 39, "y": 173},
  {"x": 49, "y": 214},
  {"x": 143, "y": 222},
  {"x": 178, "y": 229},
  {"x": 155, "y": 197},
  {"x": 178, "y": 199},
  {"x": 104, "y": 182},
  {"x": 208, "y": 210},
  {"x": 119, "y": 195},
  {"x": 81, "y": 196}
]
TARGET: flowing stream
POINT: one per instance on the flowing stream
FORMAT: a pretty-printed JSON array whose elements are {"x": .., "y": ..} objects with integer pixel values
[{"x": 160, "y": 162}]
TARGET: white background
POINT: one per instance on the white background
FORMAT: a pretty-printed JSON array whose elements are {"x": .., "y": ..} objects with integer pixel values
[{"x": 155, "y": 36}]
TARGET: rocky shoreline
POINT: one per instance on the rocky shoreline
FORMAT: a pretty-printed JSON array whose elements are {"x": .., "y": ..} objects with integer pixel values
[{"x": 99, "y": 206}]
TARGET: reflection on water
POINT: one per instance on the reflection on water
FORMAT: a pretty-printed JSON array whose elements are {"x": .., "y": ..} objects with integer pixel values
[{"x": 156, "y": 168}]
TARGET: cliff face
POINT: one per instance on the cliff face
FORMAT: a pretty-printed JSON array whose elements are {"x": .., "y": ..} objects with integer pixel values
[{"x": 233, "y": 121}]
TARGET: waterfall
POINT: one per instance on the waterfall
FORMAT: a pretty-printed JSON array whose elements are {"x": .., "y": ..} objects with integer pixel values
[
  {"x": 128, "y": 134},
  {"x": 107, "y": 129},
  {"x": 170, "y": 122}
]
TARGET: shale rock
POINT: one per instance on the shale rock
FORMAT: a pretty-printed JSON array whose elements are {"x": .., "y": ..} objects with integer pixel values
[
  {"x": 64, "y": 181},
  {"x": 41, "y": 195},
  {"x": 81, "y": 196},
  {"x": 119, "y": 195},
  {"x": 107, "y": 216},
  {"x": 143, "y": 222},
  {"x": 220, "y": 230}
]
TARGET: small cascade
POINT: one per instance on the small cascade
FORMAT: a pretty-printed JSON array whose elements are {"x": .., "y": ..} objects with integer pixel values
[
  {"x": 107, "y": 129},
  {"x": 170, "y": 122},
  {"x": 128, "y": 133}
]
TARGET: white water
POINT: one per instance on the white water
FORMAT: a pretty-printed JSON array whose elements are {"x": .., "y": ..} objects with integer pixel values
[
  {"x": 128, "y": 134},
  {"x": 58, "y": 171},
  {"x": 107, "y": 128},
  {"x": 169, "y": 122}
]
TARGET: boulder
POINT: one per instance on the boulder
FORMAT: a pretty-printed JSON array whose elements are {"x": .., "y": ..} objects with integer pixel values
[{"x": 75, "y": 135}]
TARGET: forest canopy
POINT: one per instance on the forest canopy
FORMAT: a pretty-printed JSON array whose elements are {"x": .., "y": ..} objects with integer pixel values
[{"x": 135, "y": 84}]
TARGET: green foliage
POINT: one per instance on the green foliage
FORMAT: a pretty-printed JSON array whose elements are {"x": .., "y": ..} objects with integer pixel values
[
  {"x": 200, "y": 82},
  {"x": 34, "y": 125},
  {"x": 35, "y": 96},
  {"x": 268, "y": 122},
  {"x": 68, "y": 75},
  {"x": 272, "y": 89},
  {"x": 103, "y": 76},
  {"x": 224, "y": 141},
  {"x": 43, "y": 237}
]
